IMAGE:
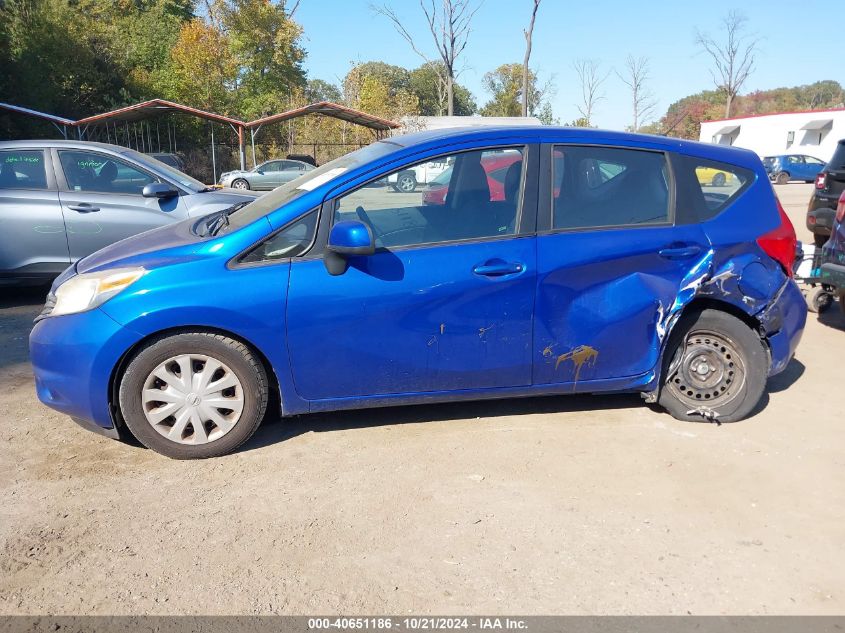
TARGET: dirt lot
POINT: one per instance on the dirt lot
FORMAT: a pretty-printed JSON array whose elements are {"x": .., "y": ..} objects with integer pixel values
[{"x": 555, "y": 505}]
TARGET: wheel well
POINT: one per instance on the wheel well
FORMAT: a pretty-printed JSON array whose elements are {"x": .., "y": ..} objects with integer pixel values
[
  {"x": 274, "y": 397},
  {"x": 704, "y": 303}
]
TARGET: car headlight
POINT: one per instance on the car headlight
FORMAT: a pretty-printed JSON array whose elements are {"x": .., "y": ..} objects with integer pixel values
[{"x": 89, "y": 290}]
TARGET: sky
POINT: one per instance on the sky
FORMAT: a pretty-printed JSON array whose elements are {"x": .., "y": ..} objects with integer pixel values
[{"x": 799, "y": 43}]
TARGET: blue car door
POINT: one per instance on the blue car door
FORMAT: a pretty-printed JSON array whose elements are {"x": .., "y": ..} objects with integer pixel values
[
  {"x": 444, "y": 304},
  {"x": 610, "y": 262}
]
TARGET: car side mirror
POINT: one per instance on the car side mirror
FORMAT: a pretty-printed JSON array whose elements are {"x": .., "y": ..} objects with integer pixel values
[
  {"x": 260, "y": 172},
  {"x": 347, "y": 239},
  {"x": 159, "y": 190}
]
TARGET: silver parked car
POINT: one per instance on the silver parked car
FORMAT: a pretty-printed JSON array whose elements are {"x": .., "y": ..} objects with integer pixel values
[
  {"x": 62, "y": 200},
  {"x": 265, "y": 176}
]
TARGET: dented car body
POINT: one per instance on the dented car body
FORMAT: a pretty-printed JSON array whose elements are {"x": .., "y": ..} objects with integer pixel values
[{"x": 607, "y": 267}]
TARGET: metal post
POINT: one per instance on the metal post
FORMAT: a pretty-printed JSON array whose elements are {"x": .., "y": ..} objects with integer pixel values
[
  {"x": 213, "y": 153},
  {"x": 252, "y": 139},
  {"x": 169, "y": 140},
  {"x": 158, "y": 136},
  {"x": 242, "y": 147}
]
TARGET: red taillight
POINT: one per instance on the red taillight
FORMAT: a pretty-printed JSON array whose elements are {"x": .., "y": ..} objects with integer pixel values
[
  {"x": 780, "y": 244},
  {"x": 820, "y": 180},
  {"x": 840, "y": 209}
]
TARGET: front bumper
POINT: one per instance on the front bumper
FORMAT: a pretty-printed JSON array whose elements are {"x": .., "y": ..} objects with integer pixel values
[{"x": 73, "y": 357}]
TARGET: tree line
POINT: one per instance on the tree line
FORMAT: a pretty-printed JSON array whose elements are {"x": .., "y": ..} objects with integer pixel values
[{"x": 247, "y": 58}]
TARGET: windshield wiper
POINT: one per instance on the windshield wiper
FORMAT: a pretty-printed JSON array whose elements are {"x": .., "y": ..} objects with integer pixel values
[{"x": 217, "y": 223}]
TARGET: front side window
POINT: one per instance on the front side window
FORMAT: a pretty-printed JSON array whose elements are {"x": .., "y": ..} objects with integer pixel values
[
  {"x": 89, "y": 171},
  {"x": 460, "y": 200},
  {"x": 605, "y": 186},
  {"x": 22, "y": 169},
  {"x": 272, "y": 166},
  {"x": 291, "y": 241}
]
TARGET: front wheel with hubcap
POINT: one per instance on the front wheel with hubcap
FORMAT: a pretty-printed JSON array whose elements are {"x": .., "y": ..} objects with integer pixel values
[
  {"x": 193, "y": 395},
  {"x": 240, "y": 183},
  {"x": 782, "y": 178},
  {"x": 406, "y": 183},
  {"x": 715, "y": 370},
  {"x": 719, "y": 180}
]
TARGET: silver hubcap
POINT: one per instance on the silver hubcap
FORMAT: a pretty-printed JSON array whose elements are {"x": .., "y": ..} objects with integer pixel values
[
  {"x": 406, "y": 183},
  {"x": 710, "y": 371},
  {"x": 192, "y": 399},
  {"x": 239, "y": 184}
]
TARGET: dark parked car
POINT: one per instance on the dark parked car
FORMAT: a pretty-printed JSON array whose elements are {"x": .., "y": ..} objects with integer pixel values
[
  {"x": 63, "y": 200},
  {"x": 830, "y": 183},
  {"x": 782, "y": 169},
  {"x": 168, "y": 158},
  {"x": 605, "y": 266},
  {"x": 833, "y": 255}
]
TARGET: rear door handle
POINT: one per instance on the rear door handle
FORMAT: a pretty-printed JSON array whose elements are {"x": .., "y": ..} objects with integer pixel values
[
  {"x": 680, "y": 252},
  {"x": 83, "y": 207},
  {"x": 497, "y": 268}
]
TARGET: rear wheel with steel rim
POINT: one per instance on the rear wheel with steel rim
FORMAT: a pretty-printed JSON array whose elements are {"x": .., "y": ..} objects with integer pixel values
[
  {"x": 716, "y": 371},
  {"x": 193, "y": 395},
  {"x": 240, "y": 183},
  {"x": 782, "y": 178}
]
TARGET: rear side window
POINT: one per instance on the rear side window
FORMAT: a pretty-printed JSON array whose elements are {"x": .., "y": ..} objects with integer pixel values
[
  {"x": 22, "y": 169},
  {"x": 706, "y": 188},
  {"x": 597, "y": 187}
]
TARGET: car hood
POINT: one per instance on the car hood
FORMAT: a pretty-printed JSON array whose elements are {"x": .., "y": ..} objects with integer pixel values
[{"x": 129, "y": 252}]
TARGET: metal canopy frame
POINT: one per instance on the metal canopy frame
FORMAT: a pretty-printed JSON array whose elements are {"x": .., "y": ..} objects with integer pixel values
[{"x": 155, "y": 107}]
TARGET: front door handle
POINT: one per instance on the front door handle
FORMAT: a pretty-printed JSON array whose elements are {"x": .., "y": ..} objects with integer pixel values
[
  {"x": 497, "y": 268},
  {"x": 83, "y": 207},
  {"x": 683, "y": 251}
]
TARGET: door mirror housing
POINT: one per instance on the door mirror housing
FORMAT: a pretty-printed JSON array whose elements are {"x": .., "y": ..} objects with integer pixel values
[
  {"x": 159, "y": 190},
  {"x": 347, "y": 239},
  {"x": 351, "y": 238}
]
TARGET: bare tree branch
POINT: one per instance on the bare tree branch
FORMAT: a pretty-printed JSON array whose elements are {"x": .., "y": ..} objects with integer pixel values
[
  {"x": 449, "y": 27},
  {"x": 293, "y": 9},
  {"x": 591, "y": 79},
  {"x": 642, "y": 99},
  {"x": 529, "y": 32},
  {"x": 733, "y": 58}
]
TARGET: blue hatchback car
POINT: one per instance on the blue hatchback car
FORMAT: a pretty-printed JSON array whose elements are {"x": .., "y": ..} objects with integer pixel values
[{"x": 595, "y": 262}]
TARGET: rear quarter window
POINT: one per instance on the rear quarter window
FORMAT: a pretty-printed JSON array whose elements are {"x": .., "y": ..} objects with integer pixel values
[
  {"x": 22, "y": 169},
  {"x": 706, "y": 188}
]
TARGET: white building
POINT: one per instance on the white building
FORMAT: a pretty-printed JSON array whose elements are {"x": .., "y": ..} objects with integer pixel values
[{"x": 810, "y": 133}]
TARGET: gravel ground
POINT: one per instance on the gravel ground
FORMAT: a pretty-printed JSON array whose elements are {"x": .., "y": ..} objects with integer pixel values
[{"x": 552, "y": 505}]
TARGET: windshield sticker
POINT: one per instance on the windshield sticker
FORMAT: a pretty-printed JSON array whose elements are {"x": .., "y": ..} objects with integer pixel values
[{"x": 316, "y": 181}]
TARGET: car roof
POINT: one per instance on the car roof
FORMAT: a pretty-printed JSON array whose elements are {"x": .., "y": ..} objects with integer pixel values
[
  {"x": 51, "y": 143},
  {"x": 551, "y": 133}
]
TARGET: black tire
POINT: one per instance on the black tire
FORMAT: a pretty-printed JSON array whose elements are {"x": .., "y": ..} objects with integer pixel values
[
  {"x": 718, "y": 180},
  {"x": 820, "y": 240},
  {"x": 240, "y": 183},
  {"x": 744, "y": 368},
  {"x": 841, "y": 297},
  {"x": 406, "y": 183},
  {"x": 782, "y": 178},
  {"x": 237, "y": 356},
  {"x": 819, "y": 301}
]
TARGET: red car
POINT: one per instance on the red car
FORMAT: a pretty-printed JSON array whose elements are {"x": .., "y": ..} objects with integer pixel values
[{"x": 495, "y": 165}]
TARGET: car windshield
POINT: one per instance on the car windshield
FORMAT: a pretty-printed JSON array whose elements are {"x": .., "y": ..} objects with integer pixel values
[
  {"x": 443, "y": 179},
  {"x": 310, "y": 180},
  {"x": 171, "y": 172}
]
